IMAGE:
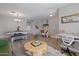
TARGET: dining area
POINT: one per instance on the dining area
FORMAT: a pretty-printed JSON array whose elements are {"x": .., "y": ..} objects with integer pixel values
[{"x": 31, "y": 47}]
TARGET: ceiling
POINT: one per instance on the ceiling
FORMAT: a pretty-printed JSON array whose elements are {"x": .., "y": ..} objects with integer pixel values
[{"x": 29, "y": 10}]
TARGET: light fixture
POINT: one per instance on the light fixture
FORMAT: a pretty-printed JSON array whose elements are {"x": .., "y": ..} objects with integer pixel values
[
  {"x": 17, "y": 16},
  {"x": 52, "y": 12},
  {"x": 51, "y": 15},
  {"x": 14, "y": 13},
  {"x": 17, "y": 20}
]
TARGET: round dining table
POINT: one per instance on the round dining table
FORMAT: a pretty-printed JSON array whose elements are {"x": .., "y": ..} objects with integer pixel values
[{"x": 36, "y": 50}]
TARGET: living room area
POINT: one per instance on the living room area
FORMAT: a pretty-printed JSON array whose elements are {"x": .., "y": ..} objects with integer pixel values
[{"x": 39, "y": 29}]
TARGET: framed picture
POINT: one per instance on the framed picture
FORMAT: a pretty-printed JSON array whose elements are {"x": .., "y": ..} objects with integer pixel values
[{"x": 70, "y": 18}]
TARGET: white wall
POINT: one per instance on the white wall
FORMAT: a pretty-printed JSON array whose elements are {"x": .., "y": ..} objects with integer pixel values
[
  {"x": 38, "y": 22},
  {"x": 68, "y": 10},
  {"x": 54, "y": 24},
  {"x": 8, "y": 25}
]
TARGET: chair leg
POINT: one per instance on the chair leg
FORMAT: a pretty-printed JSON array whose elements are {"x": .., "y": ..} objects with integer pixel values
[
  {"x": 68, "y": 51},
  {"x": 13, "y": 54},
  {"x": 62, "y": 51}
]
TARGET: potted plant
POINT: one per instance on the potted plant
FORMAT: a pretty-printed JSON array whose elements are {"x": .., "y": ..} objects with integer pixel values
[
  {"x": 36, "y": 40},
  {"x": 36, "y": 36}
]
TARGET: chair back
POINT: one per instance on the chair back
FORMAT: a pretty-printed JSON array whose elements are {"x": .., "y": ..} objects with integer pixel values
[{"x": 68, "y": 40}]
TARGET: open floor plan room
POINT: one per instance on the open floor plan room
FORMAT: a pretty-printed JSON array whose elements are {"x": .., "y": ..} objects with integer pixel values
[{"x": 39, "y": 29}]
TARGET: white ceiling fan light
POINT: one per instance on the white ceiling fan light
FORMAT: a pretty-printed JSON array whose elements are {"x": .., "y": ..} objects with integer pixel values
[
  {"x": 14, "y": 13},
  {"x": 18, "y": 15}
]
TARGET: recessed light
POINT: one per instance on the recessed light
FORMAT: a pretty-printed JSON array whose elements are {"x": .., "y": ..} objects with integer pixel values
[{"x": 50, "y": 15}]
